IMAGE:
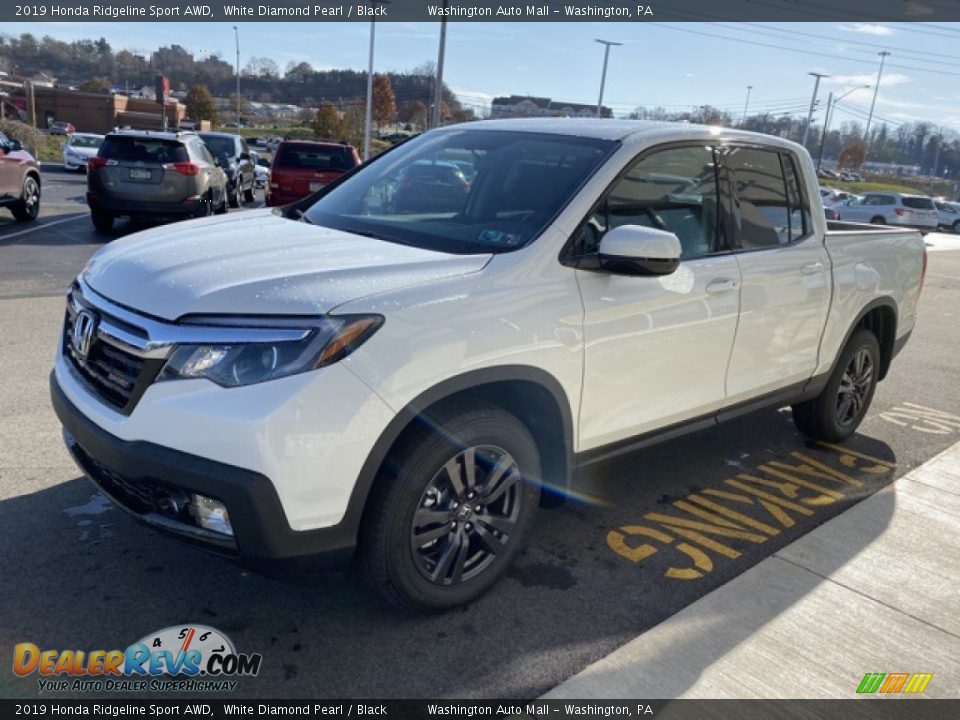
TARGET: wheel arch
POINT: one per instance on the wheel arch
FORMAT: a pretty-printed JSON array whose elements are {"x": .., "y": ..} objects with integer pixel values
[
  {"x": 879, "y": 316},
  {"x": 535, "y": 396}
]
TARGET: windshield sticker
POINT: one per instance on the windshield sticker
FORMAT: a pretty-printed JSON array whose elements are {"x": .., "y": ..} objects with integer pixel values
[{"x": 497, "y": 237}]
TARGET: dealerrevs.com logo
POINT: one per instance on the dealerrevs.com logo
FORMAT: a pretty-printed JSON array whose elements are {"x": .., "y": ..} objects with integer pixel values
[{"x": 182, "y": 658}]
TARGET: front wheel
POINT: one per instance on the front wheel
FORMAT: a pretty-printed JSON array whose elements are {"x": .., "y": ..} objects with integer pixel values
[
  {"x": 444, "y": 522},
  {"x": 28, "y": 207},
  {"x": 838, "y": 410}
]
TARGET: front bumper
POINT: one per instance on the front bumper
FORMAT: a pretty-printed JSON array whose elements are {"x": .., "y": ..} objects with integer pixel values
[{"x": 127, "y": 470}]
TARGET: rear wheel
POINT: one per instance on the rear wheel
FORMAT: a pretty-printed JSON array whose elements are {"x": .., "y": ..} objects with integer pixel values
[
  {"x": 102, "y": 221},
  {"x": 837, "y": 411},
  {"x": 878, "y": 221},
  {"x": 444, "y": 523},
  {"x": 28, "y": 207}
]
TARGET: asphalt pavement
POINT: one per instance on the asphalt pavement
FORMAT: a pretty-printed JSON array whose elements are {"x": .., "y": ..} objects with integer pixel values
[{"x": 596, "y": 573}]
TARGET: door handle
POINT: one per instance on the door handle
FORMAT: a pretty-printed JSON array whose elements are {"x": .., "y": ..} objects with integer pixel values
[
  {"x": 812, "y": 268},
  {"x": 721, "y": 285}
]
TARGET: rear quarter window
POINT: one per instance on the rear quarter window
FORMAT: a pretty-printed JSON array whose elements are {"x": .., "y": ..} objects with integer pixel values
[
  {"x": 145, "y": 150},
  {"x": 918, "y": 203}
]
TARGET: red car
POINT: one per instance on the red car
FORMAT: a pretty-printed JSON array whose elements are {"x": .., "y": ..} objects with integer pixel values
[{"x": 301, "y": 167}]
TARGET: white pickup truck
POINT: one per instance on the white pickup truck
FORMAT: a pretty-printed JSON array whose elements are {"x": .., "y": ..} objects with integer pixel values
[{"x": 400, "y": 368}]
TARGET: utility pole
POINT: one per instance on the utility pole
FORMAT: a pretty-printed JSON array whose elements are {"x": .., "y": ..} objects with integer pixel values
[
  {"x": 813, "y": 101},
  {"x": 866, "y": 133},
  {"x": 236, "y": 36},
  {"x": 746, "y": 104},
  {"x": 936, "y": 156},
  {"x": 831, "y": 103},
  {"x": 438, "y": 90},
  {"x": 603, "y": 76}
]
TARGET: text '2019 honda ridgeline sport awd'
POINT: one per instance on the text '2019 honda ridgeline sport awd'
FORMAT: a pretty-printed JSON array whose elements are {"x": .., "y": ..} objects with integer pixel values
[{"x": 397, "y": 375}]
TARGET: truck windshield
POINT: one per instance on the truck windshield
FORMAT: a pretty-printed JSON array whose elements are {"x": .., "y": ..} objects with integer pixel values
[{"x": 464, "y": 191}]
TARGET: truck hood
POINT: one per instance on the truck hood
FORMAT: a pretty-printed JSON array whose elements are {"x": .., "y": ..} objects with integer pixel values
[{"x": 259, "y": 263}]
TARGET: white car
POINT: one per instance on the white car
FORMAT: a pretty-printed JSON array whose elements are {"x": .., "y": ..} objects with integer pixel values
[
  {"x": 261, "y": 170},
  {"x": 78, "y": 148},
  {"x": 342, "y": 379},
  {"x": 948, "y": 214},
  {"x": 891, "y": 208},
  {"x": 832, "y": 196}
]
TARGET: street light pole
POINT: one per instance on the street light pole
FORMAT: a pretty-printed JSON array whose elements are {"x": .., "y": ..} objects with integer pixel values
[
  {"x": 438, "y": 90},
  {"x": 368, "y": 113},
  {"x": 236, "y": 98},
  {"x": 831, "y": 103},
  {"x": 746, "y": 104},
  {"x": 813, "y": 101},
  {"x": 603, "y": 77},
  {"x": 876, "y": 88}
]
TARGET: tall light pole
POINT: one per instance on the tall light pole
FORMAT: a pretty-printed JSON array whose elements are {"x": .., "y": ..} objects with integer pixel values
[
  {"x": 813, "y": 101},
  {"x": 831, "y": 103},
  {"x": 746, "y": 104},
  {"x": 438, "y": 89},
  {"x": 368, "y": 115},
  {"x": 236, "y": 98},
  {"x": 603, "y": 77},
  {"x": 866, "y": 133},
  {"x": 936, "y": 156}
]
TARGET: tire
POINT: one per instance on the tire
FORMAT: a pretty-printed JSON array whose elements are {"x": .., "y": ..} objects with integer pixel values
[
  {"x": 837, "y": 411},
  {"x": 956, "y": 227},
  {"x": 207, "y": 209},
  {"x": 233, "y": 197},
  {"x": 102, "y": 221},
  {"x": 27, "y": 207},
  {"x": 249, "y": 195},
  {"x": 436, "y": 559},
  {"x": 222, "y": 209},
  {"x": 878, "y": 221}
]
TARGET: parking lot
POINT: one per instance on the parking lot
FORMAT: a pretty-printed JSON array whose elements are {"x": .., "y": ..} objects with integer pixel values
[{"x": 595, "y": 573}]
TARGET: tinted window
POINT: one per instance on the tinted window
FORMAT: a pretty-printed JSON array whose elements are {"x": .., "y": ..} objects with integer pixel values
[
  {"x": 764, "y": 217},
  {"x": 142, "y": 149},
  {"x": 220, "y": 146},
  {"x": 879, "y": 200},
  {"x": 85, "y": 141},
  {"x": 673, "y": 190},
  {"x": 520, "y": 181},
  {"x": 314, "y": 157},
  {"x": 917, "y": 203},
  {"x": 800, "y": 225}
]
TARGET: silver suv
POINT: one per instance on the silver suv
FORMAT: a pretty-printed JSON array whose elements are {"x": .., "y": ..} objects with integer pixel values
[
  {"x": 891, "y": 208},
  {"x": 157, "y": 175}
]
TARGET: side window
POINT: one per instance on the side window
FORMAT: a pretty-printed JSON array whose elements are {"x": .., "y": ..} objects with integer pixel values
[
  {"x": 761, "y": 189},
  {"x": 800, "y": 225},
  {"x": 673, "y": 190}
]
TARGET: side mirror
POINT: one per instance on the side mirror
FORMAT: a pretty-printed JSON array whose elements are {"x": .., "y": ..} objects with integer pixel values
[
  {"x": 244, "y": 156},
  {"x": 639, "y": 250}
]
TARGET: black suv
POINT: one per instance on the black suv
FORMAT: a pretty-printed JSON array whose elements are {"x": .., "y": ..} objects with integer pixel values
[
  {"x": 141, "y": 173},
  {"x": 233, "y": 155}
]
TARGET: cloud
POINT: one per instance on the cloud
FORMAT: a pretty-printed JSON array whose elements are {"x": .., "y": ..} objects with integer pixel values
[
  {"x": 868, "y": 29},
  {"x": 888, "y": 80}
]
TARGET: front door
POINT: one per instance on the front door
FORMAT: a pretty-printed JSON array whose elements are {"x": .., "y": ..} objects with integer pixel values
[{"x": 656, "y": 348}]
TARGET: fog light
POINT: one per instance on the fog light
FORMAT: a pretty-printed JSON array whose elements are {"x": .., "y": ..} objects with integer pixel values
[{"x": 210, "y": 514}]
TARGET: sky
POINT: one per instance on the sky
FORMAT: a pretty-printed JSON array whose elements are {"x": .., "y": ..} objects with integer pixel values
[{"x": 675, "y": 65}]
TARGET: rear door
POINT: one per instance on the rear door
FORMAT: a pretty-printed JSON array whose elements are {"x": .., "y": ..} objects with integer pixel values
[
  {"x": 656, "y": 348},
  {"x": 785, "y": 272}
]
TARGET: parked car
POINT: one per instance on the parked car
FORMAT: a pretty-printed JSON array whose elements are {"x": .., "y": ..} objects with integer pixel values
[
  {"x": 891, "y": 208},
  {"x": 159, "y": 175},
  {"x": 261, "y": 170},
  {"x": 337, "y": 380},
  {"x": 233, "y": 155},
  {"x": 833, "y": 196},
  {"x": 78, "y": 148},
  {"x": 61, "y": 127},
  {"x": 948, "y": 215},
  {"x": 19, "y": 180},
  {"x": 301, "y": 167}
]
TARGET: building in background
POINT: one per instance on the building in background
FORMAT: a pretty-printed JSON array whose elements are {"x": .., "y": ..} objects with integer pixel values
[
  {"x": 99, "y": 112},
  {"x": 516, "y": 106}
]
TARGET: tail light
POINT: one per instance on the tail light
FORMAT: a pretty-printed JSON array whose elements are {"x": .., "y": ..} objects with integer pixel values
[
  {"x": 184, "y": 168},
  {"x": 96, "y": 162},
  {"x": 900, "y": 212}
]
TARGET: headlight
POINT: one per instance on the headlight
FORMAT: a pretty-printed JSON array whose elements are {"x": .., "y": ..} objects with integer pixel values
[{"x": 236, "y": 364}]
